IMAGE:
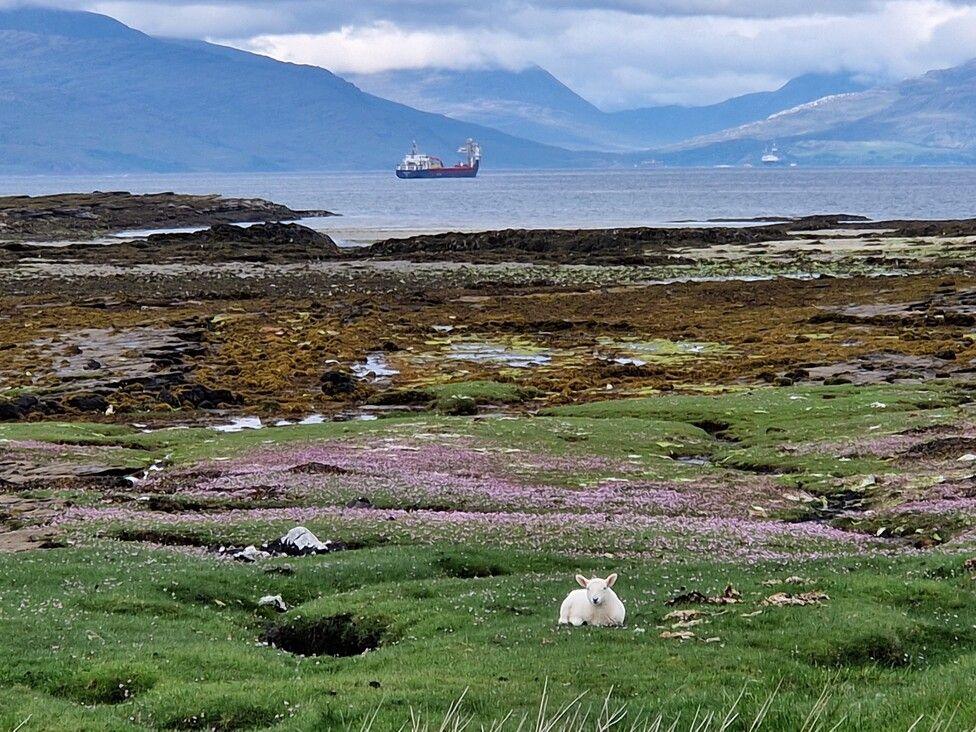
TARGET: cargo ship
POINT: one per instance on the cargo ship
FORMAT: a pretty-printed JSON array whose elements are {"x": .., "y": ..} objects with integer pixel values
[{"x": 420, "y": 165}]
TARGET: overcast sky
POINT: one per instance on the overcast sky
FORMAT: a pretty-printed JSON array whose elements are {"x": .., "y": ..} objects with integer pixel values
[{"x": 617, "y": 53}]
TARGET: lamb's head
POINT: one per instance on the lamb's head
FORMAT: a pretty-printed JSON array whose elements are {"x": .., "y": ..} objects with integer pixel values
[{"x": 596, "y": 588}]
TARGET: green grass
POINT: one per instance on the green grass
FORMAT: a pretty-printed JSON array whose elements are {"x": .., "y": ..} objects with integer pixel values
[
  {"x": 115, "y": 634},
  {"x": 152, "y": 639},
  {"x": 768, "y": 416}
]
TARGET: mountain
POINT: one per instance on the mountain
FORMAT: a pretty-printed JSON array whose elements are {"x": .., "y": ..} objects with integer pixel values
[
  {"x": 82, "y": 92},
  {"x": 530, "y": 103},
  {"x": 534, "y": 104},
  {"x": 662, "y": 125},
  {"x": 927, "y": 120}
]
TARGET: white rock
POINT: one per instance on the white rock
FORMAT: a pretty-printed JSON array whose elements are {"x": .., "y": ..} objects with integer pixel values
[
  {"x": 304, "y": 540},
  {"x": 250, "y": 554},
  {"x": 275, "y": 601}
]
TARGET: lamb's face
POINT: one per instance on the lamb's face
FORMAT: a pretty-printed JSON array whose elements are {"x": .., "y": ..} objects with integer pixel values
[
  {"x": 596, "y": 588},
  {"x": 596, "y": 591}
]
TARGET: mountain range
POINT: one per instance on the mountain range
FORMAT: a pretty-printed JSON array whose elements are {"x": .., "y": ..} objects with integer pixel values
[
  {"x": 534, "y": 104},
  {"x": 81, "y": 92},
  {"x": 927, "y": 120}
]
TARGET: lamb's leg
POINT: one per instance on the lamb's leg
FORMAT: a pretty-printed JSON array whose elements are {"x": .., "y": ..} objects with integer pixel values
[{"x": 576, "y": 620}]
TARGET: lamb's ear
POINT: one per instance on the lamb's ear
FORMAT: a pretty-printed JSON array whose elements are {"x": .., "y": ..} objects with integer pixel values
[
  {"x": 583, "y": 582},
  {"x": 611, "y": 579}
]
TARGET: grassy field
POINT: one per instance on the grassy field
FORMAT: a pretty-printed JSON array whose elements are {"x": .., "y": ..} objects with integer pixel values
[{"x": 464, "y": 535}]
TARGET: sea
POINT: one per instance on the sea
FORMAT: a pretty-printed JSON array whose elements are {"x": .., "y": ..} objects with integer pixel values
[{"x": 377, "y": 205}]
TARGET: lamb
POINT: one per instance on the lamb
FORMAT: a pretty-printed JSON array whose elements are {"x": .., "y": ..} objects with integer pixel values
[{"x": 596, "y": 604}]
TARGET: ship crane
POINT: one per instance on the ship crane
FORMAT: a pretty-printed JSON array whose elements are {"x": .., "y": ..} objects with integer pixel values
[{"x": 472, "y": 150}]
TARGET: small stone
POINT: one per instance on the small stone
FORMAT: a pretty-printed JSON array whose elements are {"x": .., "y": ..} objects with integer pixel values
[
  {"x": 250, "y": 554},
  {"x": 273, "y": 601}
]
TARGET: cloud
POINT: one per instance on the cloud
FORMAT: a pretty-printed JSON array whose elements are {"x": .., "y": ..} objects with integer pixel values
[
  {"x": 384, "y": 46},
  {"x": 195, "y": 20},
  {"x": 618, "y": 53},
  {"x": 633, "y": 53}
]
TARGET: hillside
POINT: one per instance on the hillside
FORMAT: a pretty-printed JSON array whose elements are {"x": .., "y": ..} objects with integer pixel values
[{"x": 82, "y": 92}]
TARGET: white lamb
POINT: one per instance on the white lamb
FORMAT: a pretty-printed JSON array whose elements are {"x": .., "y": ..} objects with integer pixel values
[{"x": 596, "y": 604}]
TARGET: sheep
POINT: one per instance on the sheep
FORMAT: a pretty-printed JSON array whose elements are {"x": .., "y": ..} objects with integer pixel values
[{"x": 596, "y": 604}]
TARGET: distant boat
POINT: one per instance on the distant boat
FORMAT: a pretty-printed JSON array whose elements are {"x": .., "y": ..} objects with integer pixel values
[
  {"x": 416, "y": 164},
  {"x": 771, "y": 156}
]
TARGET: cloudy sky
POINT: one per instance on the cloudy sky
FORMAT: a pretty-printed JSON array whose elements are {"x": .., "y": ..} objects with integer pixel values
[{"x": 617, "y": 53}]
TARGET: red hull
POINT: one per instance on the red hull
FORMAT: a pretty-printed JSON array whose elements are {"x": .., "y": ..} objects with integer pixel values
[{"x": 455, "y": 171}]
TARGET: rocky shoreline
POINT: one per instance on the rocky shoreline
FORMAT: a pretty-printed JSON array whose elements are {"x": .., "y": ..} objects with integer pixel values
[
  {"x": 88, "y": 215},
  {"x": 276, "y": 320}
]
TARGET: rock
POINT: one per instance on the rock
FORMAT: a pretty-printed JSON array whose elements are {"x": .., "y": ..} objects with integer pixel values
[
  {"x": 273, "y": 601},
  {"x": 250, "y": 554},
  {"x": 92, "y": 365},
  {"x": 401, "y": 398},
  {"x": 204, "y": 397},
  {"x": 797, "y": 374},
  {"x": 270, "y": 235},
  {"x": 88, "y": 402},
  {"x": 837, "y": 381},
  {"x": 300, "y": 542},
  {"x": 782, "y": 381},
  {"x": 19, "y": 408},
  {"x": 338, "y": 383},
  {"x": 361, "y": 502},
  {"x": 79, "y": 215},
  {"x": 946, "y": 355}
]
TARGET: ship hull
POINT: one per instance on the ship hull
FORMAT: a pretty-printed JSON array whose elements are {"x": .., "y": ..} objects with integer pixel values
[{"x": 457, "y": 171}]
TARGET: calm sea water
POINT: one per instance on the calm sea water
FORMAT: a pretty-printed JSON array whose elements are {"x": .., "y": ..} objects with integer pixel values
[{"x": 376, "y": 205}]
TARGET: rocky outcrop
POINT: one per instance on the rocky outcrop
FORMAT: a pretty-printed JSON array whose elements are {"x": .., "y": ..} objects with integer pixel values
[
  {"x": 628, "y": 246},
  {"x": 261, "y": 242},
  {"x": 86, "y": 215}
]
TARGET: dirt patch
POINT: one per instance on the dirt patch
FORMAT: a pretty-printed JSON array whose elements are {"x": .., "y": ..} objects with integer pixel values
[
  {"x": 338, "y": 635},
  {"x": 315, "y": 468},
  {"x": 23, "y": 523},
  {"x": 470, "y": 566},
  {"x": 160, "y": 536},
  {"x": 943, "y": 448},
  {"x": 718, "y": 430}
]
